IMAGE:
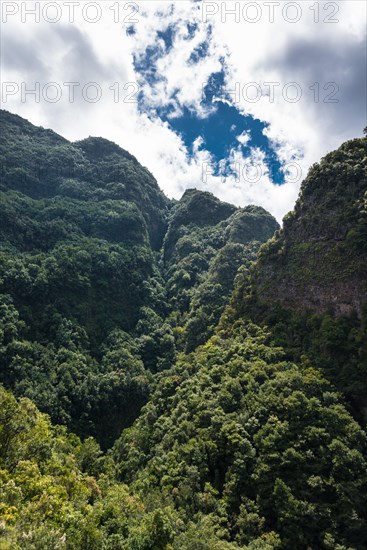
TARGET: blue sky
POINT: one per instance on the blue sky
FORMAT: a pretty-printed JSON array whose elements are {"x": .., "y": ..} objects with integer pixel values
[
  {"x": 177, "y": 62},
  {"x": 222, "y": 124}
]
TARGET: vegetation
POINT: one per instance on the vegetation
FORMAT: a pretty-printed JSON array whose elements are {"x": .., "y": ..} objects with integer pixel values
[
  {"x": 57, "y": 492},
  {"x": 206, "y": 243},
  {"x": 87, "y": 311},
  {"x": 262, "y": 450},
  {"x": 217, "y": 385},
  {"x": 309, "y": 284},
  {"x": 78, "y": 271}
]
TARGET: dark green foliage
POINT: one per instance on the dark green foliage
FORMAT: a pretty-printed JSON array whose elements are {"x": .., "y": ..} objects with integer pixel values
[
  {"x": 210, "y": 297},
  {"x": 335, "y": 345},
  {"x": 67, "y": 382},
  {"x": 80, "y": 225},
  {"x": 206, "y": 243},
  {"x": 234, "y": 436},
  {"x": 262, "y": 447},
  {"x": 39, "y": 163}
]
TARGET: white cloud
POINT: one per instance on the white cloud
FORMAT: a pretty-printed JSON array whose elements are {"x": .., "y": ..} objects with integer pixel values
[{"x": 304, "y": 52}]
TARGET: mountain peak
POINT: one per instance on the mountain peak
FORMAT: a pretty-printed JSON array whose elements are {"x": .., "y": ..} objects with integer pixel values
[{"x": 98, "y": 148}]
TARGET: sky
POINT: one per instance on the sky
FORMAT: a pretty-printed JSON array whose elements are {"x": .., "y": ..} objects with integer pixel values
[{"x": 235, "y": 98}]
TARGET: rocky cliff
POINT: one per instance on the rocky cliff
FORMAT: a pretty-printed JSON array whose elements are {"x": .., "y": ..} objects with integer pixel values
[{"x": 318, "y": 261}]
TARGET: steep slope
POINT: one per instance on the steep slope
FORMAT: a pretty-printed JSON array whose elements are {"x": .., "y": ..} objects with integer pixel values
[
  {"x": 88, "y": 310},
  {"x": 309, "y": 283},
  {"x": 249, "y": 437},
  {"x": 206, "y": 243},
  {"x": 318, "y": 261},
  {"x": 41, "y": 164},
  {"x": 250, "y": 448},
  {"x": 80, "y": 226}
]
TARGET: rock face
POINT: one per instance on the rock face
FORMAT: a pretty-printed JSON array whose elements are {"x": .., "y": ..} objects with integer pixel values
[{"x": 318, "y": 261}]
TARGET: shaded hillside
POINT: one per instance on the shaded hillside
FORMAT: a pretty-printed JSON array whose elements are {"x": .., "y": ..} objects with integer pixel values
[
  {"x": 81, "y": 223},
  {"x": 206, "y": 243},
  {"x": 88, "y": 310},
  {"x": 41, "y": 164}
]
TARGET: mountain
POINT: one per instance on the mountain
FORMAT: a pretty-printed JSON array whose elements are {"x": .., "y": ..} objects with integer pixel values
[
  {"x": 309, "y": 283},
  {"x": 250, "y": 436},
  {"x": 94, "y": 289},
  {"x": 82, "y": 224},
  {"x": 318, "y": 260},
  {"x": 224, "y": 378},
  {"x": 207, "y": 241},
  {"x": 40, "y": 164}
]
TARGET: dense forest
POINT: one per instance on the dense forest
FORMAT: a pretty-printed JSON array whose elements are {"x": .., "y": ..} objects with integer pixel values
[{"x": 178, "y": 375}]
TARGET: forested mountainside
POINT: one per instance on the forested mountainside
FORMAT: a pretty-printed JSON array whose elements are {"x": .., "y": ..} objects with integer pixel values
[
  {"x": 90, "y": 305},
  {"x": 309, "y": 283},
  {"x": 207, "y": 236},
  {"x": 228, "y": 384}
]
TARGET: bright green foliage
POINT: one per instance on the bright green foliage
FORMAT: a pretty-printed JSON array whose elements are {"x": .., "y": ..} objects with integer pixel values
[{"x": 58, "y": 493}]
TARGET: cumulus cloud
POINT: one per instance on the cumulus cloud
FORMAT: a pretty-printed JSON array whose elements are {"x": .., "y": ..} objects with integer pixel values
[{"x": 186, "y": 50}]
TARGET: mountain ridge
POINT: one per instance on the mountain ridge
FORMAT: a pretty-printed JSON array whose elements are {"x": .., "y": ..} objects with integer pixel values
[
  {"x": 230, "y": 416},
  {"x": 81, "y": 262}
]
